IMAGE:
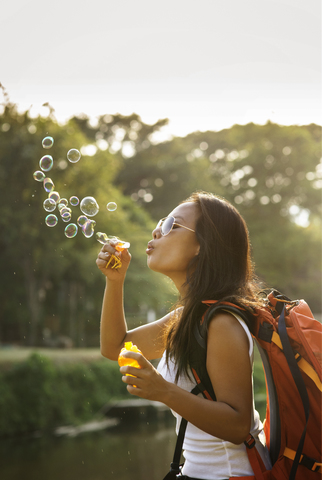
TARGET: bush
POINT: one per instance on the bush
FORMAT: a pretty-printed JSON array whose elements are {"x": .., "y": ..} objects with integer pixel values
[{"x": 38, "y": 395}]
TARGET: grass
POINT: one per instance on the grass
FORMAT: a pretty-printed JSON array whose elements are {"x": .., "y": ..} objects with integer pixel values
[{"x": 10, "y": 356}]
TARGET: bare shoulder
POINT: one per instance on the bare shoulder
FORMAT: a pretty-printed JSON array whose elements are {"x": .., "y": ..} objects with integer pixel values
[
  {"x": 224, "y": 328},
  {"x": 228, "y": 365}
]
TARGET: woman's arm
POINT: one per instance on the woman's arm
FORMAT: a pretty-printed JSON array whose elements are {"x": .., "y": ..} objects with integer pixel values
[
  {"x": 113, "y": 329},
  {"x": 230, "y": 371}
]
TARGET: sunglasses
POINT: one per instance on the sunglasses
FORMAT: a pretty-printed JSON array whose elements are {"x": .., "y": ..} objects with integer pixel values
[{"x": 166, "y": 224}]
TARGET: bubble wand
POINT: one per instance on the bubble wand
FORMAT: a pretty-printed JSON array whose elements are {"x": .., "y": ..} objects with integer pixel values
[{"x": 120, "y": 246}]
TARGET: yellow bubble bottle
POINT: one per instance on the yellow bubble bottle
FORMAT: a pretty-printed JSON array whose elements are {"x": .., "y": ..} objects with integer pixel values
[{"x": 123, "y": 361}]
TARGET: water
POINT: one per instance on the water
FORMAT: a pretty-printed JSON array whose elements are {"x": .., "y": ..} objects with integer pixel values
[{"x": 139, "y": 451}]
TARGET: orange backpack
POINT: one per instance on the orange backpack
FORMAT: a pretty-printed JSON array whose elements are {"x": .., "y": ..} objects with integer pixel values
[{"x": 289, "y": 340}]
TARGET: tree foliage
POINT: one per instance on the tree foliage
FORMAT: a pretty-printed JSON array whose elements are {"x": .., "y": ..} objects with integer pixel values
[
  {"x": 271, "y": 173},
  {"x": 48, "y": 281}
]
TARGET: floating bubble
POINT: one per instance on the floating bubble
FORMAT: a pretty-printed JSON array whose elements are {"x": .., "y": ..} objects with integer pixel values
[
  {"x": 82, "y": 220},
  {"x": 66, "y": 218},
  {"x": 101, "y": 237},
  {"x": 49, "y": 205},
  {"x": 48, "y": 142},
  {"x": 65, "y": 211},
  {"x": 74, "y": 201},
  {"x": 39, "y": 176},
  {"x": 111, "y": 206},
  {"x": 71, "y": 230},
  {"x": 88, "y": 228},
  {"x": 48, "y": 184},
  {"x": 73, "y": 155},
  {"x": 46, "y": 163},
  {"x": 89, "y": 206},
  {"x": 54, "y": 196},
  {"x": 62, "y": 203},
  {"x": 51, "y": 220}
]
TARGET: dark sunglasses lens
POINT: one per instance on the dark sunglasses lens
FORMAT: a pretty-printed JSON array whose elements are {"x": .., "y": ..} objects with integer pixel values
[{"x": 167, "y": 225}]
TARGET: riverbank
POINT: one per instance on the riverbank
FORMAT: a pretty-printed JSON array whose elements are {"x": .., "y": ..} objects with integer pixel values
[
  {"x": 44, "y": 389},
  {"x": 11, "y": 355},
  {"x": 41, "y": 394}
]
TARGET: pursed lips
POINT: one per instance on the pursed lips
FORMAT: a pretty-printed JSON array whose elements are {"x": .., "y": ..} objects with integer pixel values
[{"x": 149, "y": 248}]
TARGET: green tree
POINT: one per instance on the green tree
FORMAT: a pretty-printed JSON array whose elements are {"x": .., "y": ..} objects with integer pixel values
[
  {"x": 272, "y": 173},
  {"x": 48, "y": 280}
]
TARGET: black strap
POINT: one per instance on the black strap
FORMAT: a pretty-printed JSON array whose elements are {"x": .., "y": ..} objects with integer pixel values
[
  {"x": 298, "y": 379},
  {"x": 175, "y": 464}
]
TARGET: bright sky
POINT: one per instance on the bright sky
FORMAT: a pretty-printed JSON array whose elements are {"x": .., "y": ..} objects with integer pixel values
[{"x": 205, "y": 65}]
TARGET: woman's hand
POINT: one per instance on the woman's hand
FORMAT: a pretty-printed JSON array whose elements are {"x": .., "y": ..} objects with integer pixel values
[
  {"x": 104, "y": 256},
  {"x": 146, "y": 381}
]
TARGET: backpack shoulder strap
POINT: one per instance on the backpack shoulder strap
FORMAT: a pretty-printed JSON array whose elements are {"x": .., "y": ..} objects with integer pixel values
[
  {"x": 201, "y": 331},
  {"x": 299, "y": 382}
]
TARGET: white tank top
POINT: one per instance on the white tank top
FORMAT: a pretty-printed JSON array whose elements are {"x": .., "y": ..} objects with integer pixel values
[{"x": 208, "y": 457}]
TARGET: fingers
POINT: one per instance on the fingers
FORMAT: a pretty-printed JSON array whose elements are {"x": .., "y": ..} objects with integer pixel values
[
  {"x": 127, "y": 370},
  {"x": 144, "y": 382},
  {"x": 142, "y": 371},
  {"x": 123, "y": 253},
  {"x": 104, "y": 260},
  {"x": 110, "y": 248},
  {"x": 134, "y": 384},
  {"x": 138, "y": 357}
]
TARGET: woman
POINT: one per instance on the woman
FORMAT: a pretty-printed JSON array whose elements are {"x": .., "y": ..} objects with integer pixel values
[{"x": 203, "y": 247}]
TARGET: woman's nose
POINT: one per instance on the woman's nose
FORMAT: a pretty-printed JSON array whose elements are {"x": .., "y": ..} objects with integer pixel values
[{"x": 156, "y": 233}]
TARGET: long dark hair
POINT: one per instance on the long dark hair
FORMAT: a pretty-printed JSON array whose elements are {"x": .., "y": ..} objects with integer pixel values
[{"x": 223, "y": 270}]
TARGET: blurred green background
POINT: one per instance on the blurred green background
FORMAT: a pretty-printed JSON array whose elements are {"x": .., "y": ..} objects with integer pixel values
[
  {"x": 51, "y": 370},
  {"x": 51, "y": 289}
]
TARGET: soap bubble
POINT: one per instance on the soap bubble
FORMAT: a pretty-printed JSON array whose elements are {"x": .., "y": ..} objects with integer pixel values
[
  {"x": 48, "y": 184},
  {"x": 111, "y": 206},
  {"x": 46, "y": 163},
  {"x": 66, "y": 217},
  {"x": 74, "y": 201},
  {"x": 71, "y": 230},
  {"x": 51, "y": 220},
  {"x": 101, "y": 237},
  {"x": 39, "y": 176},
  {"x": 62, "y": 203},
  {"x": 88, "y": 228},
  {"x": 65, "y": 209},
  {"x": 82, "y": 220},
  {"x": 73, "y": 155},
  {"x": 65, "y": 212},
  {"x": 48, "y": 142},
  {"x": 49, "y": 205},
  {"x": 54, "y": 196},
  {"x": 89, "y": 206}
]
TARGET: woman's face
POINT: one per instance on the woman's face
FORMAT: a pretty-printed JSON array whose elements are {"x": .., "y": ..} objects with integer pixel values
[{"x": 171, "y": 254}]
